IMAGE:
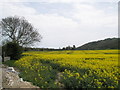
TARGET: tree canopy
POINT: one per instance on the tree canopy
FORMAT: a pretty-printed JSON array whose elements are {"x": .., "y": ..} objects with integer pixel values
[{"x": 19, "y": 30}]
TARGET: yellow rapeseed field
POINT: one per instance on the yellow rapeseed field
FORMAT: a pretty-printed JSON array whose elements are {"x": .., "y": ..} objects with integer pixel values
[{"x": 77, "y": 68}]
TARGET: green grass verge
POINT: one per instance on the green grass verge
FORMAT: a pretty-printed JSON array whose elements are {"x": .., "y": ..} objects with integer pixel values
[{"x": 9, "y": 63}]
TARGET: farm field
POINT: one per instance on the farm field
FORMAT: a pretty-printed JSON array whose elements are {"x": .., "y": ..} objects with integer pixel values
[{"x": 70, "y": 68}]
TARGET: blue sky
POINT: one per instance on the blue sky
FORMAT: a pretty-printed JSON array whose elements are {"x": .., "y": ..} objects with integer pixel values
[{"x": 67, "y": 22}]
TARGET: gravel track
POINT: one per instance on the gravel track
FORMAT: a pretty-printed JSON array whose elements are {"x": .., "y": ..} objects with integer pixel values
[{"x": 12, "y": 80}]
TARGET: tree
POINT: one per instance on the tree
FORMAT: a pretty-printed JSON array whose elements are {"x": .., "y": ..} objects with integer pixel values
[
  {"x": 73, "y": 47},
  {"x": 19, "y": 30},
  {"x": 13, "y": 50},
  {"x": 68, "y": 48}
]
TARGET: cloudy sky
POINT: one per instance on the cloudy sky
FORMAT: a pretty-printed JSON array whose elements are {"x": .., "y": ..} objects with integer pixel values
[{"x": 66, "y": 22}]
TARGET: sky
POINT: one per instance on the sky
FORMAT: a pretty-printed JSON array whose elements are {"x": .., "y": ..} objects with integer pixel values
[{"x": 66, "y": 22}]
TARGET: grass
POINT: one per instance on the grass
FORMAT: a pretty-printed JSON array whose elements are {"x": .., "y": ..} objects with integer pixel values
[{"x": 10, "y": 63}]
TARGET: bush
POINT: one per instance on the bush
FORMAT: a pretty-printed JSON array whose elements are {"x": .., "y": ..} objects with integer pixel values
[{"x": 13, "y": 50}]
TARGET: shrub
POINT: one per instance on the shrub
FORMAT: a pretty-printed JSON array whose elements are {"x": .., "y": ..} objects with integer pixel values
[{"x": 13, "y": 50}]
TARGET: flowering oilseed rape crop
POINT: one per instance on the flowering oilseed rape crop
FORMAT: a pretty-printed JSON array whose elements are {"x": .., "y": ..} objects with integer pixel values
[{"x": 79, "y": 69}]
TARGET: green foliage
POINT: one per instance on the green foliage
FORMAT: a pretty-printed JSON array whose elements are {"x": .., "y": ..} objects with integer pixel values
[
  {"x": 10, "y": 63},
  {"x": 13, "y": 50},
  {"x": 90, "y": 79},
  {"x": 42, "y": 75}
]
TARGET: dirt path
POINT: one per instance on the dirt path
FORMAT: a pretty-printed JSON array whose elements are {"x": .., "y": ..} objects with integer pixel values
[
  {"x": 58, "y": 79},
  {"x": 12, "y": 80}
]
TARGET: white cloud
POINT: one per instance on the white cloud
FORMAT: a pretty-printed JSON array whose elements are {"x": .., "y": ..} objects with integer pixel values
[
  {"x": 86, "y": 23},
  {"x": 60, "y": 1},
  {"x": 76, "y": 1},
  {"x": 11, "y": 9},
  {"x": 97, "y": 23},
  {"x": 52, "y": 26},
  {"x": 90, "y": 16}
]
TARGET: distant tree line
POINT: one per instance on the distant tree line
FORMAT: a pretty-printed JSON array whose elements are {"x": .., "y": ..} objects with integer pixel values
[
  {"x": 69, "y": 48},
  {"x": 49, "y": 49}
]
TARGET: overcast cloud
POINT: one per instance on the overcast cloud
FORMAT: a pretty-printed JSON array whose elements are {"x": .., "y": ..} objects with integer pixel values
[{"x": 67, "y": 22}]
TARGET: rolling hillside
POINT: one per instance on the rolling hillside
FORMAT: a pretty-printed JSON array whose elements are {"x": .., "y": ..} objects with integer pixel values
[{"x": 109, "y": 43}]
